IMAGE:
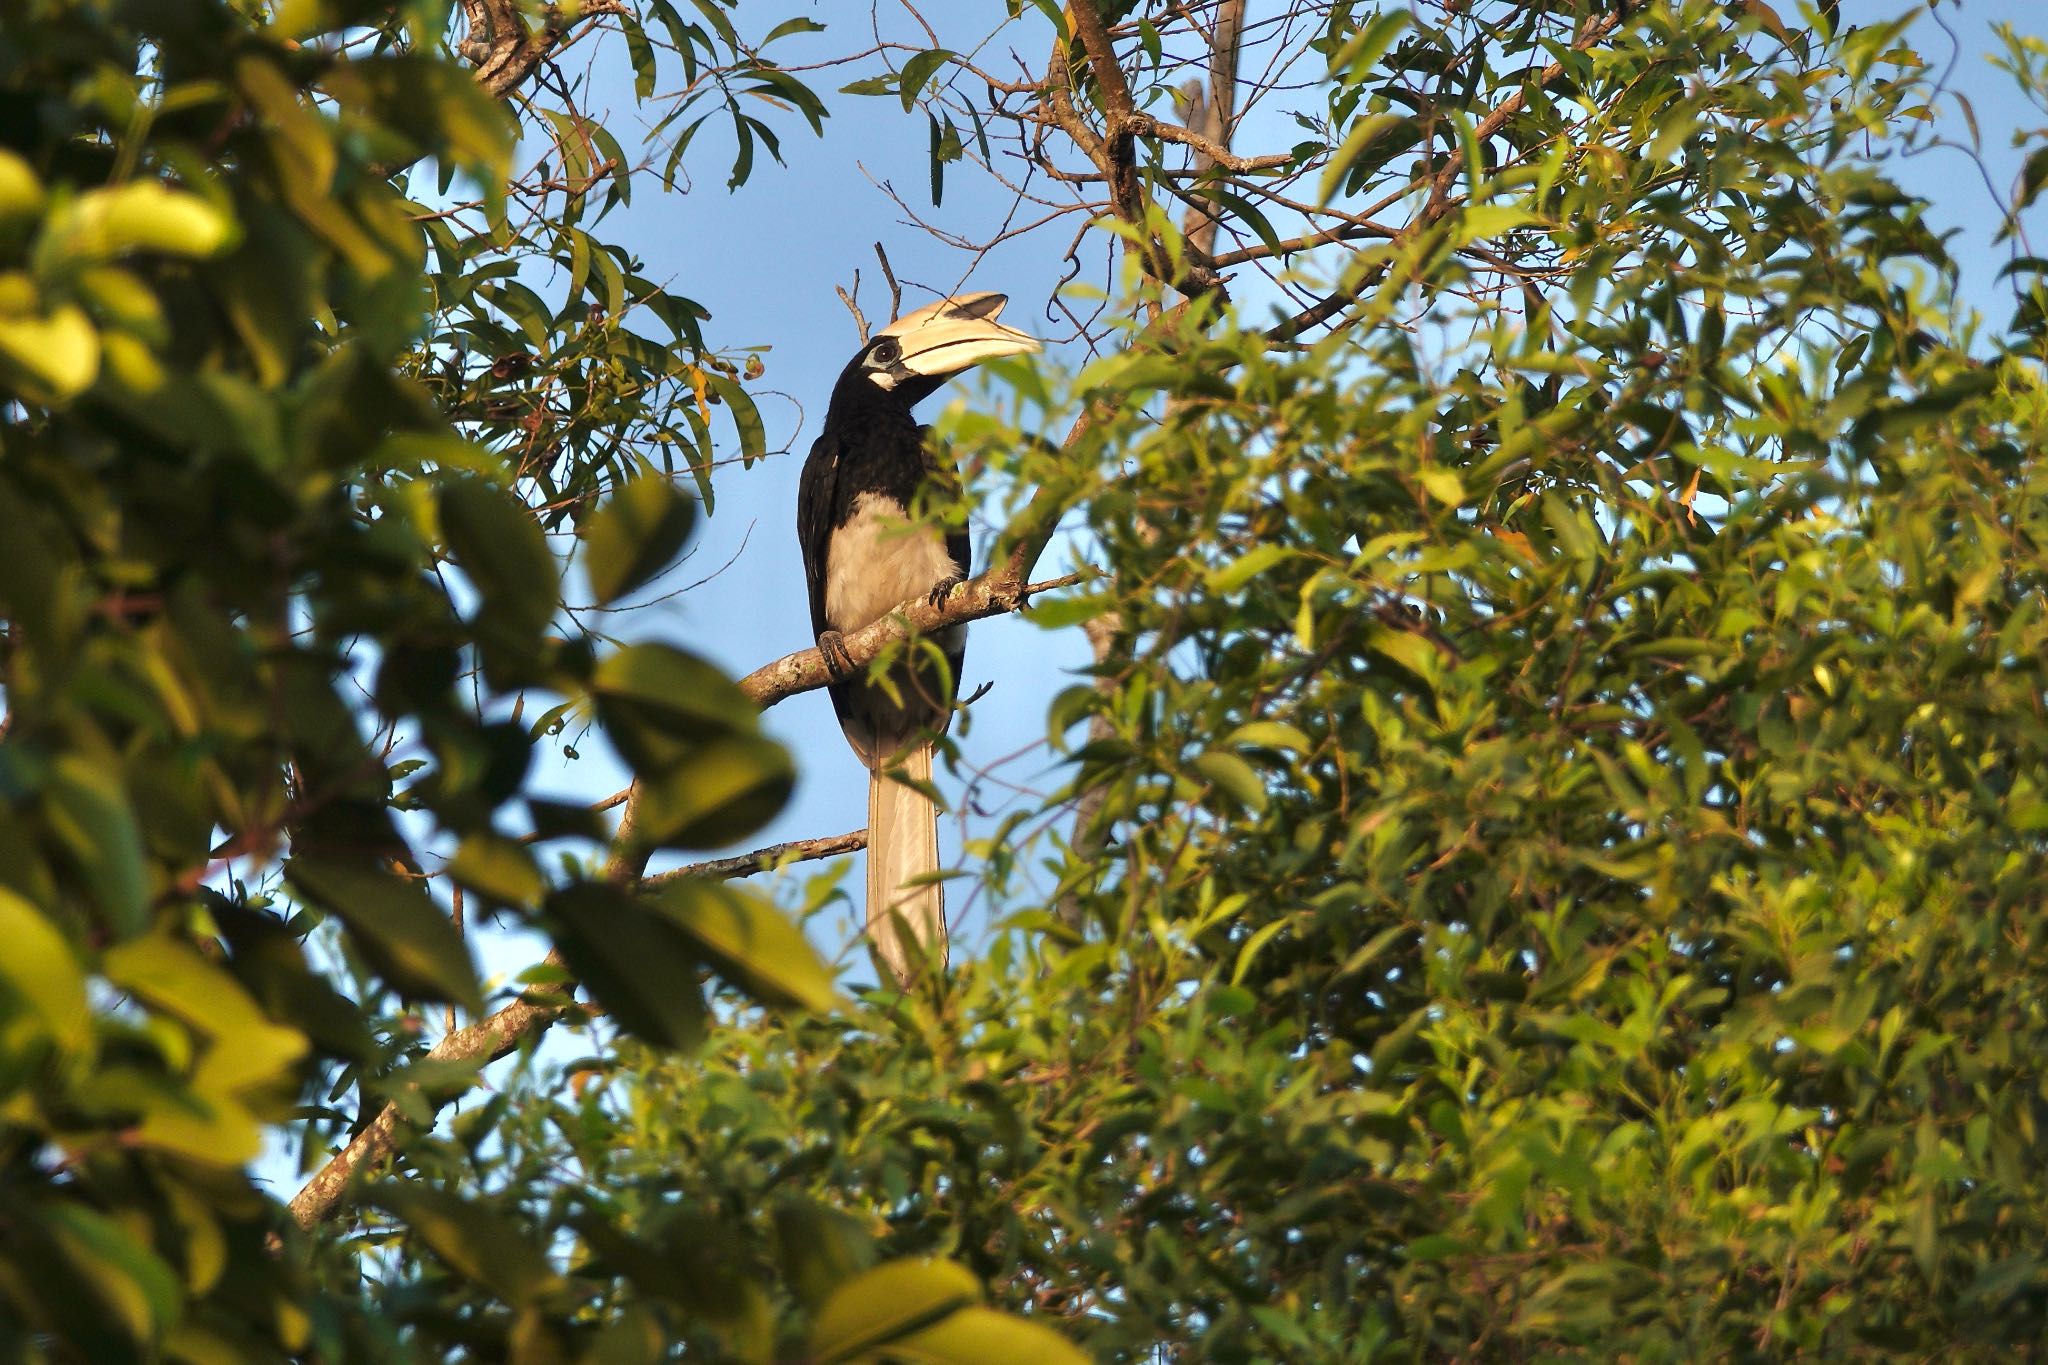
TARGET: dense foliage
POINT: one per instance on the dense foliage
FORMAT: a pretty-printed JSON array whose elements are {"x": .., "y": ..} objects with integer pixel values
[{"x": 1550, "y": 861}]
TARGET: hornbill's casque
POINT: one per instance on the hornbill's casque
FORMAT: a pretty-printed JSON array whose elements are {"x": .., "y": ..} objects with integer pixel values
[{"x": 864, "y": 556}]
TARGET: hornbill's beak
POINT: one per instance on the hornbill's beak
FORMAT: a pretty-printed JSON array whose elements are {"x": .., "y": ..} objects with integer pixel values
[{"x": 953, "y": 334}]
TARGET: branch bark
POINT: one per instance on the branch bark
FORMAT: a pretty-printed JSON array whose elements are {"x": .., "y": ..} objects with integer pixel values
[{"x": 505, "y": 52}]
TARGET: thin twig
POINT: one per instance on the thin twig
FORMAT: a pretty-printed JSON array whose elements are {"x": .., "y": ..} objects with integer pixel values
[
  {"x": 895, "y": 289},
  {"x": 851, "y": 300}
]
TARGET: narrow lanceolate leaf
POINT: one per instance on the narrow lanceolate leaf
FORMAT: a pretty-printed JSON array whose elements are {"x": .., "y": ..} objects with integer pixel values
[
  {"x": 634, "y": 535},
  {"x": 87, "y": 806},
  {"x": 888, "y": 1303}
]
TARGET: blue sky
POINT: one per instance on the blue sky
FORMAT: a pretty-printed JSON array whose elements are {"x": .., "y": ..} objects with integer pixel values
[{"x": 766, "y": 259}]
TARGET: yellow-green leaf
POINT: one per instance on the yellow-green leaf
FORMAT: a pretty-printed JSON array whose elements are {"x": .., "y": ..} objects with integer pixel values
[
  {"x": 983, "y": 1336},
  {"x": 21, "y": 194},
  {"x": 58, "y": 353},
  {"x": 883, "y": 1305},
  {"x": 634, "y": 535},
  {"x": 750, "y": 942},
  {"x": 43, "y": 969},
  {"x": 1231, "y": 774},
  {"x": 143, "y": 215}
]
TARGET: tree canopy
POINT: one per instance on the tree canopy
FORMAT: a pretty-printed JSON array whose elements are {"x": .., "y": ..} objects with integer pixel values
[{"x": 1548, "y": 856}]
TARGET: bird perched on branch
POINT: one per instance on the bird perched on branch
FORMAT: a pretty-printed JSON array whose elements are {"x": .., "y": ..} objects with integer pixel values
[{"x": 865, "y": 554}]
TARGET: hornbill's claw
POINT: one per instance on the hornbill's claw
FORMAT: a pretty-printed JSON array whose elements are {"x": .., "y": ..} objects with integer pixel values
[
  {"x": 942, "y": 589},
  {"x": 838, "y": 661}
]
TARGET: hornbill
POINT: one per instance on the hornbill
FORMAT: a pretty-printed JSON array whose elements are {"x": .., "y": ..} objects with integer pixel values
[{"x": 864, "y": 555}]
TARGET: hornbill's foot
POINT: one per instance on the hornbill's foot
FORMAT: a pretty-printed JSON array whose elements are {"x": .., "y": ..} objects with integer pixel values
[
  {"x": 943, "y": 589},
  {"x": 838, "y": 661}
]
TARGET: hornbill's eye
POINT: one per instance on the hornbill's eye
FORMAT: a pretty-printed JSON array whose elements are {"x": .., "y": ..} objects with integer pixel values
[{"x": 886, "y": 352}]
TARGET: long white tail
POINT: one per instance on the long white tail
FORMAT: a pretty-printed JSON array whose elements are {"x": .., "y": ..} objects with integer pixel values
[{"x": 906, "y": 925}]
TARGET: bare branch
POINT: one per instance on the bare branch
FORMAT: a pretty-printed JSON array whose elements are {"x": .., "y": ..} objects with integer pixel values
[
  {"x": 761, "y": 859},
  {"x": 853, "y": 306},
  {"x": 895, "y": 289}
]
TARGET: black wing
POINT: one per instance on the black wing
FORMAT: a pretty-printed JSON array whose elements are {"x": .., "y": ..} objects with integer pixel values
[{"x": 814, "y": 499}]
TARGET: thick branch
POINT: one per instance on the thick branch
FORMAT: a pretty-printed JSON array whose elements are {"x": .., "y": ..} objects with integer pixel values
[
  {"x": 505, "y": 52},
  {"x": 994, "y": 593},
  {"x": 1208, "y": 153}
]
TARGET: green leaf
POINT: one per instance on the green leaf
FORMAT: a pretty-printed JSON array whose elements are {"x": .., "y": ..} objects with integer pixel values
[
  {"x": 1232, "y": 775},
  {"x": 474, "y": 1242},
  {"x": 497, "y": 868},
  {"x": 88, "y": 808},
  {"x": 42, "y": 967},
  {"x": 634, "y": 535},
  {"x": 751, "y": 943},
  {"x": 721, "y": 790},
  {"x": 1411, "y": 651},
  {"x": 1228, "y": 578},
  {"x": 1478, "y": 221},
  {"x": 789, "y": 26},
  {"x": 883, "y": 1305},
  {"x": 394, "y": 924},
  {"x": 1371, "y": 142},
  {"x": 658, "y": 702},
  {"x": 500, "y": 546},
  {"x": 746, "y": 418},
  {"x": 1355, "y": 60},
  {"x": 1270, "y": 734},
  {"x": 132, "y": 1283},
  {"x": 982, "y": 1336},
  {"x": 633, "y": 960},
  {"x": 917, "y": 71},
  {"x": 819, "y": 1248}
]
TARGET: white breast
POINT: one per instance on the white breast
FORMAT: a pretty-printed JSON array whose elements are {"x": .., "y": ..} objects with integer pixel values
[{"x": 877, "y": 560}]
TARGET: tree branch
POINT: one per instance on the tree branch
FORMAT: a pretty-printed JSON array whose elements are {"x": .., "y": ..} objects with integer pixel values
[
  {"x": 505, "y": 52},
  {"x": 993, "y": 594},
  {"x": 501, "y": 1034}
]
